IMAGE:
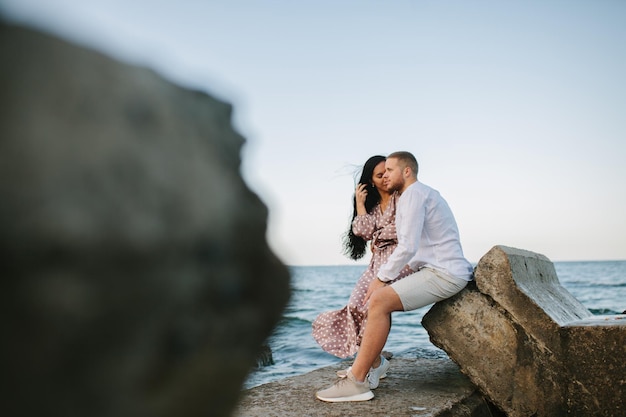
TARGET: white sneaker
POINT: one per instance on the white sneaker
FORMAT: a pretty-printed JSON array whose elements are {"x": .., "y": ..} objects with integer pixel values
[
  {"x": 376, "y": 374},
  {"x": 347, "y": 389}
]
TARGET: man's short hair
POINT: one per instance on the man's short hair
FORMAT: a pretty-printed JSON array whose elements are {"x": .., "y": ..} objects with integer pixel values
[{"x": 405, "y": 159}]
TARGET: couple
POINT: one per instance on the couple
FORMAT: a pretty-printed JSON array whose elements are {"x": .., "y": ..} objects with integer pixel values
[{"x": 425, "y": 266}]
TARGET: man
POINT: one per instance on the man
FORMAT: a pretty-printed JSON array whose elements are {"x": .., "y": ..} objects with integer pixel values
[{"x": 428, "y": 242}]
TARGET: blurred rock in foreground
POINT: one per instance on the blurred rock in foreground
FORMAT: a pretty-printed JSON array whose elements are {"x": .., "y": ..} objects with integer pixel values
[
  {"x": 136, "y": 279},
  {"x": 528, "y": 344}
]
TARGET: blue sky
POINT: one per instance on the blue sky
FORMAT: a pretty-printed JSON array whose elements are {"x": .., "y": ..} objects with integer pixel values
[{"x": 515, "y": 110}]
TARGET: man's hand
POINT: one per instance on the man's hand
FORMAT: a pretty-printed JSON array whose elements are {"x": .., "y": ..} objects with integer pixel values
[{"x": 374, "y": 285}]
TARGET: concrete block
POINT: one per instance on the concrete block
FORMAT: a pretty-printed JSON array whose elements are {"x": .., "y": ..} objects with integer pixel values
[
  {"x": 528, "y": 344},
  {"x": 595, "y": 353}
]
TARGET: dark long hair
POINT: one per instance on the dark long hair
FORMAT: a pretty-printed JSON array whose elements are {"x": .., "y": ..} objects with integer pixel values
[{"x": 354, "y": 246}]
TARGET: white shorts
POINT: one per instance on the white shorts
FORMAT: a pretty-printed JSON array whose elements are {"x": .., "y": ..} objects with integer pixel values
[{"x": 426, "y": 286}]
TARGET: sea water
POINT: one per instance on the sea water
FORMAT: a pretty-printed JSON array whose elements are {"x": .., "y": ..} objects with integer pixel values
[{"x": 600, "y": 286}]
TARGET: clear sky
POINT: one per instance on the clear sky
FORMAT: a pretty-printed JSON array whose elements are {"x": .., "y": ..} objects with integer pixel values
[{"x": 515, "y": 110}]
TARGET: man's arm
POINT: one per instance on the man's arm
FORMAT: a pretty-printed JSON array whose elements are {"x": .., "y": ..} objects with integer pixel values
[{"x": 410, "y": 216}]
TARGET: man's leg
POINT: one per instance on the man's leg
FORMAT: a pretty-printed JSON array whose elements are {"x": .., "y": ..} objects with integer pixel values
[
  {"x": 417, "y": 290},
  {"x": 355, "y": 386},
  {"x": 381, "y": 304}
]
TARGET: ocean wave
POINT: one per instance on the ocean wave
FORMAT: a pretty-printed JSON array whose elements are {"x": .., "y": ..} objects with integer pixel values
[
  {"x": 291, "y": 321},
  {"x": 603, "y": 312}
]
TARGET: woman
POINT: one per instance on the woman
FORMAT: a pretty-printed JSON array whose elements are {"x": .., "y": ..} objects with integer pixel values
[{"x": 340, "y": 332}]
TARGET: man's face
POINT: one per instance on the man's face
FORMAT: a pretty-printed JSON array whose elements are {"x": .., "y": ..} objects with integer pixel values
[{"x": 393, "y": 178}]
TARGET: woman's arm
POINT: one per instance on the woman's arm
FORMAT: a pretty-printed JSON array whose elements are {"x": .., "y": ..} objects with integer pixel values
[{"x": 364, "y": 224}]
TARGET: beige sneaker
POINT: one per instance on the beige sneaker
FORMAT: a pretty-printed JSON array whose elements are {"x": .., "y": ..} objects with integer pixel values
[{"x": 347, "y": 389}]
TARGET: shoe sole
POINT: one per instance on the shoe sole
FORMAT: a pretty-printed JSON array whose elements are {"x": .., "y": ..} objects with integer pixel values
[{"x": 360, "y": 397}]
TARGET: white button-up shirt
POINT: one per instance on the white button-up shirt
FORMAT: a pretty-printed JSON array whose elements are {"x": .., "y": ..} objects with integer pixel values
[{"x": 428, "y": 236}]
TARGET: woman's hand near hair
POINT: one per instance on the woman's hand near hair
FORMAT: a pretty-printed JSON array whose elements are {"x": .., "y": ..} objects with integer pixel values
[{"x": 360, "y": 194}]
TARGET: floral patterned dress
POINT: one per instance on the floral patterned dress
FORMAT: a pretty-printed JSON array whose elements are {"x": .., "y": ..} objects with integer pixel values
[{"x": 339, "y": 332}]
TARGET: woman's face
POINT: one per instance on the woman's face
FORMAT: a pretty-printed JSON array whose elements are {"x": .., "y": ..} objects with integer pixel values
[{"x": 377, "y": 177}]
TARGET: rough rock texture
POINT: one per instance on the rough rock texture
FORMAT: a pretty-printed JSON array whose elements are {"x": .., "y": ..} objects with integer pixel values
[
  {"x": 595, "y": 351},
  {"x": 528, "y": 344},
  {"x": 413, "y": 388},
  {"x": 136, "y": 279}
]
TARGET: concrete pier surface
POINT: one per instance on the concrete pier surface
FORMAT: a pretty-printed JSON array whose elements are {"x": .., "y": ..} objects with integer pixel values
[{"x": 413, "y": 387}]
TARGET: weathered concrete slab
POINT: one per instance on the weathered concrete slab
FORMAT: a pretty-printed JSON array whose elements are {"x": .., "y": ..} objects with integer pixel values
[
  {"x": 413, "y": 388},
  {"x": 595, "y": 351},
  {"x": 525, "y": 284},
  {"x": 528, "y": 344}
]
